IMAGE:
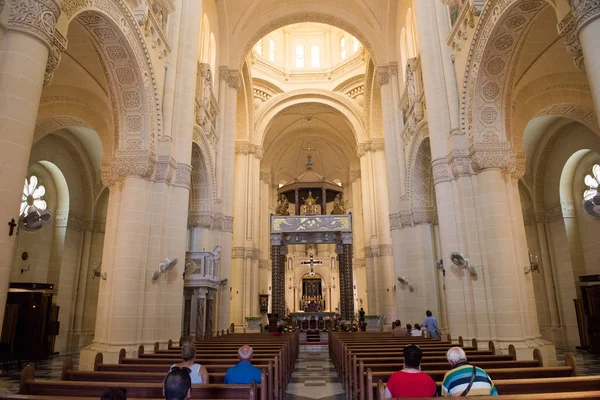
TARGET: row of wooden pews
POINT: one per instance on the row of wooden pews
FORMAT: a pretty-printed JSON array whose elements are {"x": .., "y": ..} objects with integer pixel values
[
  {"x": 142, "y": 376},
  {"x": 365, "y": 361}
]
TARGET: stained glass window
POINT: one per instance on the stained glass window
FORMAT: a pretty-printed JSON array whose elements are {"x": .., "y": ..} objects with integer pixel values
[{"x": 32, "y": 197}]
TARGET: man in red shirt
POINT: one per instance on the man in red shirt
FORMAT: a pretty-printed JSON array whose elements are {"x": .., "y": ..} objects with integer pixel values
[{"x": 410, "y": 381}]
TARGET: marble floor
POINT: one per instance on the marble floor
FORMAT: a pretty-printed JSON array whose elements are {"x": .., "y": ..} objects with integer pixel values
[
  {"x": 587, "y": 363},
  {"x": 314, "y": 376},
  {"x": 47, "y": 369}
]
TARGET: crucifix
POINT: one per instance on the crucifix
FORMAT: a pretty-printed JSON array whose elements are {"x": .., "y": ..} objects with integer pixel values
[
  {"x": 12, "y": 224},
  {"x": 312, "y": 262},
  {"x": 309, "y": 147}
]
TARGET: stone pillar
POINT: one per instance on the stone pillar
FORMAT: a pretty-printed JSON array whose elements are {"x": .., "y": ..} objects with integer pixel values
[
  {"x": 586, "y": 15},
  {"x": 187, "y": 312},
  {"x": 210, "y": 310},
  {"x": 200, "y": 294},
  {"x": 24, "y": 53},
  {"x": 277, "y": 276},
  {"x": 281, "y": 283},
  {"x": 228, "y": 89}
]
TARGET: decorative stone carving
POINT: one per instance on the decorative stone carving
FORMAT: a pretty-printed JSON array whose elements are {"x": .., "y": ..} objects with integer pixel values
[
  {"x": 59, "y": 45},
  {"x": 499, "y": 155},
  {"x": 164, "y": 167},
  {"x": 459, "y": 162},
  {"x": 395, "y": 223},
  {"x": 383, "y": 75},
  {"x": 354, "y": 175},
  {"x": 34, "y": 17},
  {"x": 128, "y": 163},
  {"x": 70, "y": 7},
  {"x": 441, "y": 171},
  {"x": 584, "y": 12},
  {"x": 567, "y": 29},
  {"x": 231, "y": 77}
]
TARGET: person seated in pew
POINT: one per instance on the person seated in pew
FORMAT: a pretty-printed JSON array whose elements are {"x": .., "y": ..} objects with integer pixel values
[
  {"x": 278, "y": 332},
  {"x": 178, "y": 384},
  {"x": 244, "y": 372},
  {"x": 399, "y": 330},
  {"x": 198, "y": 373},
  {"x": 114, "y": 394},
  {"x": 416, "y": 331},
  {"x": 408, "y": 329},
  {"x": 410, "y": 382},
  {"x": 465, "y": 379}
]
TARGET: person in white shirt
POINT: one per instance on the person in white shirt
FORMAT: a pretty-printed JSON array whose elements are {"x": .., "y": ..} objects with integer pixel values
[{"x": 416, "y": 331}]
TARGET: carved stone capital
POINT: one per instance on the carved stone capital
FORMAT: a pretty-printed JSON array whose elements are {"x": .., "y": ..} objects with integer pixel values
[
  {"x": 354, "y": 175},
  {"x": 164, "y": 168},
  {"x": 441, "y": 171},
  {"x": 36, "y": 18},
  {"x": 567, "y": 29},
  {"x": 424, "y": 215},
  {"x": 498, "y": 155},
  {"x": 520, "y": 165},
  {"x": 265, "y": 177},
  {"x": 584, "y": 12},
  {"x": 377, "y": 144},
  {"x": 59, "y": 45},
  {"x": 460, "y": 163},
  {"x": 126, "y": 163},
  {"x": 393, "y": 68},
  {"x": 183, "y": 175},
  {"x": 383, "y": 75},
  {"x": 232, "y": 77},
  {"x": 395, "y": 222},
  {"x": 347, "y": 237}
]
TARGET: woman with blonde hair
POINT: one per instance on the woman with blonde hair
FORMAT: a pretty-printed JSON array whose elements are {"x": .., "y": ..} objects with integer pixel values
[{"x": 198, "y": 373}]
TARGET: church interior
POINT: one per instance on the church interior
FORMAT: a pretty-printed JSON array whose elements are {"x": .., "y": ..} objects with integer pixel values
[{"x": 195, "y": 168}]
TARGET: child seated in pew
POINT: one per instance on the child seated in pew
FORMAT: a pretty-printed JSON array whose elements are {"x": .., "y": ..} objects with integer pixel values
[
  {"x": 410, "y": 382},
  {"x": 198, "y": 373},
  {"x": 416, "y": 331}
]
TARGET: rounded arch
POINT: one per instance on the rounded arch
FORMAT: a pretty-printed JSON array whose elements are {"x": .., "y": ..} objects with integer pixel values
[
  {"x": 350, "y": 111},
  {"x": 127, "y": 64},
  {"x": 64, "y": 107},
  {"x": 200, "y": 202},
  {"x": 255, "y": 29},
  {"x": 488, "y": 79}
]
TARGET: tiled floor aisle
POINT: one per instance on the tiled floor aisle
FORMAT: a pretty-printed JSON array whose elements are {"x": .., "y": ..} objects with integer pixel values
[
  {"x": 47, "y": 369},
  {"x": 587, "y": 364},
  {"x": 314, "y": 376}
]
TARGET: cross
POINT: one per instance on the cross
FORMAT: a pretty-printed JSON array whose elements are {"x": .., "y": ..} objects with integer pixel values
[
  {"x": 12, "y": 226},
  {"x": 309, "y": 148},
  {"x": 311, "y": 261}
]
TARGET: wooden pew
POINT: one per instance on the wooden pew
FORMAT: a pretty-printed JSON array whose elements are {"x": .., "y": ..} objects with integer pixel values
[{"x": 66, "y": 389}]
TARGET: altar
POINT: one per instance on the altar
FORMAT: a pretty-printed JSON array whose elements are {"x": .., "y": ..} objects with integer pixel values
[{"x": 313, "y": 320}]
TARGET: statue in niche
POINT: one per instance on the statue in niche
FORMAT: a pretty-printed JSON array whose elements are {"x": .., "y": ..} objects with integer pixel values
[
  {"x": 339, "y": 205},
  {"x": 283, "y": 206},
  {"x": 310, "y": 205}
]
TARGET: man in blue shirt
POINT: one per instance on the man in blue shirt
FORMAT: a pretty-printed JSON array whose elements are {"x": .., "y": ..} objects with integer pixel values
[
  {"x": 244, "y": 372},
  {"x": 431, "y": 325}
]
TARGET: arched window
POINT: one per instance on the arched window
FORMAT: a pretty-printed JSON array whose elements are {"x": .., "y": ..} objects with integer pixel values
[
  {"x": 258, "y": 47},
  {"x": 343, "y": 48},
  {"x": 32, "y": 196},
  {"x": 204, "y": 50},
  {"x": 355, "y": 44},
  {"x": 591, "y": 181},
  {"x": 403, "y": 57},
  {"x": 299, "y": 56},
  {"x": 272, "y": 50},
  {"x": 213, "y": 55},
  {"x": 315, "y": 56},
  {"x": 410, "y": 38}
]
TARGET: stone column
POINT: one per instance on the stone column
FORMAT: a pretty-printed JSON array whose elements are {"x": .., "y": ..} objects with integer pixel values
[
  {"x": 210, "y": 309},
  {"x": 24, "y": 53},
  {"x": 187, "y": 311},
  {"x": 228, "y": 89},
  {"x": 586, "y": 15},
  {"x": 200, "y": 294},
  {"x": 283, "y": 262},
  {"x": 277, "y": 275}
]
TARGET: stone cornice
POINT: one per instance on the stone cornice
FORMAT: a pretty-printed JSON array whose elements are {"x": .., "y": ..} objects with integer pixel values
[{"x": 36, "y": 18}]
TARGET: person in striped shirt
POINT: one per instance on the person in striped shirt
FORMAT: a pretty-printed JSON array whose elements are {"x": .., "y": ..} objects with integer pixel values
[{"x": 456, "y": 381}]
